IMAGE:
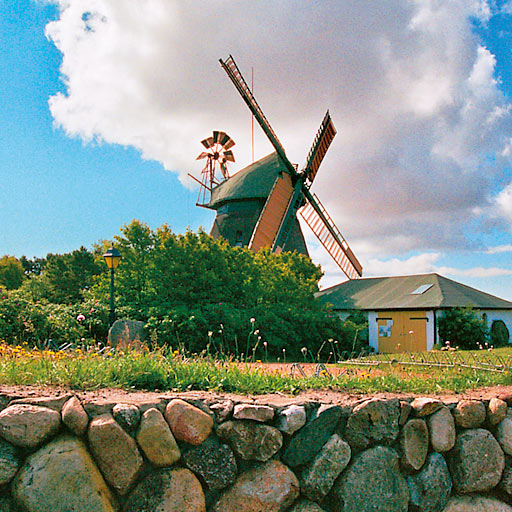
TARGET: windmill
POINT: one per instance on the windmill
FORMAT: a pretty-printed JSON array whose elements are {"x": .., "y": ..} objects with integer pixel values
[
  {"x": 258, "y": 206},
  {"x": 218, "y": 153}
]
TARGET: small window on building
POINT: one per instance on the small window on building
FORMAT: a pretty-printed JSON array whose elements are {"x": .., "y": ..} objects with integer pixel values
[
  {"x": 238, "y": 239},
  {"x": 422, "y": 289}
]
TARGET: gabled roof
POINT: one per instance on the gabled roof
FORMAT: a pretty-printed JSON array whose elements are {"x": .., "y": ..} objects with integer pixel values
[
  {"x": 253, "y": 182},
  {"x": 380, "y": 293}
]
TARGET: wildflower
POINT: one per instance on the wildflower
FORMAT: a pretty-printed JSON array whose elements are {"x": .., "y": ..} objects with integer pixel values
[
  {"x": 252, "y": 320},
  {"x": 265, "y": 344},
  {"x": 303, "y": 350},
  {"x": 80, "y": 318},
  {"x": 210, "y": 334},
  {"x": 256, "y": 332}
]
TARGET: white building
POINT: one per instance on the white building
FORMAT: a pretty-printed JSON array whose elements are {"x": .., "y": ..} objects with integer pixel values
[{"x": 403, "y": 311}]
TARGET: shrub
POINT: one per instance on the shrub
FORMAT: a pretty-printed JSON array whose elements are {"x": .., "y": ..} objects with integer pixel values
[
  {"x": 499, "y": 333},
  {"x": 463, "y": 328}
]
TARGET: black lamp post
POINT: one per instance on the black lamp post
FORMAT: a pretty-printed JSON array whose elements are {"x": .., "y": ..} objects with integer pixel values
[{"x": 112, "y": 259}]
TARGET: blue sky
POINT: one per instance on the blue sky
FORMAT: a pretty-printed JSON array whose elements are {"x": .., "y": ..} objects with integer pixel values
[{"x": 103, "y": 108}]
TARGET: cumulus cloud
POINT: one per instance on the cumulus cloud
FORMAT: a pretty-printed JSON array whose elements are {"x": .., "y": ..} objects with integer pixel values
[{"x": 411, "y": 89}]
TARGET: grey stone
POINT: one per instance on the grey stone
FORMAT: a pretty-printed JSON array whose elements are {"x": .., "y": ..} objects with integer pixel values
[
  {"x": 506, "y": 479},
  {"x": 115, "y": 452},
  {"x": 271, "y": 487},
  {"x": 405, "y": 412},
  {"x": 373, "y": 421},
  {"x": 496, "y": 411},
  {"x": 430, "y": 488},
  {"x": 28, "y": 425},
  {"x": 156, "y": 440},
  {"x": 318, "y": 478},
  {"x": 222, "y": 410},
  {"x": 476, "y": 461},
  {"x": 127, "y": 415},
  {"x": 469, "y": 413},
  {"x": 372, "y": 483},
  {"x": 306, "y": 443},
  {"x": 261, "y": 413},
  {"x": 126, "y": 333},
  {"x": 61, "y": 477},
  {"x": 425, "y": 406},
  {"x": 291, "y": 419},
  {"x": 9, "y": 462},
  {"x": 504, "y": 435},
  {"x": 214, "y": 462},
  {"x": 168, "y": 490},
  {"x": 441, "y": 426},
  {"x": 250, "y": 440},
  {"x": 75, "y": 417},
  {"x": 476, "y": 504},
  {"x": 414, "y": 444}
]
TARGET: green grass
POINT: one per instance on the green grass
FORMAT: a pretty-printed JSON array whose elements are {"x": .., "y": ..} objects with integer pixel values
[{"x": 163, "y": 370}]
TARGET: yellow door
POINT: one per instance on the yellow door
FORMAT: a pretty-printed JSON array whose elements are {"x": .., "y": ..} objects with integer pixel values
[
  {"x": 402, "y": 331},
  {"x": 389, "y": 331}
]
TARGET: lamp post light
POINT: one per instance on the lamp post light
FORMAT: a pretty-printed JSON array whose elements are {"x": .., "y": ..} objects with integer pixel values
[{"x": 112, "y": 259}]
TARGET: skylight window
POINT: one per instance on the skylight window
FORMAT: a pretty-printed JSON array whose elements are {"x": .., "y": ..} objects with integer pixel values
[{"x": 422, "y": 289}]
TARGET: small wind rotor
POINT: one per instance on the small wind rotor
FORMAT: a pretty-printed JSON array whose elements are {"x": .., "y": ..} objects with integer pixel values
[{"x": 218, "y": 153}]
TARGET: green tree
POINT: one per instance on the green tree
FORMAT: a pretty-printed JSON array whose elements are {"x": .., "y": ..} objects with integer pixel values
[
  {"x": 11, "y": 272},
  {"x": 66, "y": 277},
  {"x": 463, "y": 328}
]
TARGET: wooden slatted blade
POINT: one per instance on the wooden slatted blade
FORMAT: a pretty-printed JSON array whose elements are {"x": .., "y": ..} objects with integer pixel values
[
  {"x": 323, "y": 139},
  {"x": 202, "y": 155},
  {"x": 239, "y": 82},
  {"x": 228, "y": 155},
  {"x": 317, "y": 218},
  {"x": 208, "y": 142},
  {"x": 272, "y": 214}
]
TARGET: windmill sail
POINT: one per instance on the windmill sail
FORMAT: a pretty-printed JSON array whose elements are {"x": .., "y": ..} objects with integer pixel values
[
  {"x": 317, "y": 218},
  {"x": 273, "y": 213},
  {"x": 323, "y": 139},
  {"x": 241, "y": 85}
]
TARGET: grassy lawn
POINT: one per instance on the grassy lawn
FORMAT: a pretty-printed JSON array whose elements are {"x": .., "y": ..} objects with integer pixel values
[{"x": 165, "y": 370}]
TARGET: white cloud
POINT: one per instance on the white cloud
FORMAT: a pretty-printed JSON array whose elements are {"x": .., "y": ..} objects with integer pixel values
[
  {"x": 410, "y": 87},
  {"x": 499, "y": 249}
]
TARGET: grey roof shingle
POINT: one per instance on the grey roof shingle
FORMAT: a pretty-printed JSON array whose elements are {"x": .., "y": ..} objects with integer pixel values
[{"x": 395, "y": 293}]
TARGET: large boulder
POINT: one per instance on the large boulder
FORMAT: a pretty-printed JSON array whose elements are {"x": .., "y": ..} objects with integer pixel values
[
  {"x": 469, "y": 413},
  {"x": 476, "y": 504},
  {"x": 372, "y": 483},
  {"x": 28, "y": 425},
  {"x": 115, "y": 452},
  {"x": 373, "y": 421},
  {"x": 169, "y": 490},
  {"x": 75, "y": 417},
  {"x": 156, "y": 440},
  {"x": 271, "y": 487},
  {"x": 188, "y": 423},
  {"x": 250, "y": 440},
  {"x": 414, "y": 444},
  {"x": 318, "y": 478},
  {"x": 441, "y": 426},
  {"x": 306, "y": 443},
  {"x": 126, "y": 333},
  {"x": 62, "y": 477},
  {"x": 215, "y": 463},
  {"x": 430, "y": 488},
  {"x": 476, "y": 461},
  {"x": 504, "y": 435},
  {"x": 291, "y": 419}
]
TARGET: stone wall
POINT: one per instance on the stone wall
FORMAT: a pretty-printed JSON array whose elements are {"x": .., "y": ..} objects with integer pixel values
[{"x": 212, "y": 453}]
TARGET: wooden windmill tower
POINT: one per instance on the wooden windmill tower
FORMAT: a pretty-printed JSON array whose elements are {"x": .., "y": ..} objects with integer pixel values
[{"x": 258, "y": 206}]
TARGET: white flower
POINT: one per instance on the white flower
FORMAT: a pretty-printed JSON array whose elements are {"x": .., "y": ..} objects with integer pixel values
[
  {"x": 210, "y": 334},
  {"x": 252, "y": 320}
]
